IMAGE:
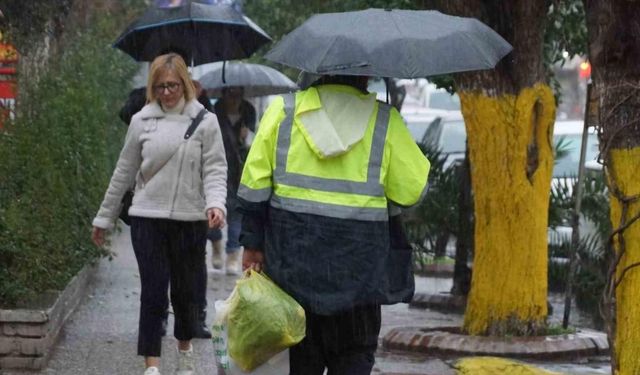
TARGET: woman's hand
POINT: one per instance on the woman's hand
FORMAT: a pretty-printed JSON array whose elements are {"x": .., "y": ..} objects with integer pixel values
[
  {"x": 216, "y": 218},
  {"x": 252, "y": 258},
  {"x": 244, "y": 132},
  {"x": 97, "y": 236}
]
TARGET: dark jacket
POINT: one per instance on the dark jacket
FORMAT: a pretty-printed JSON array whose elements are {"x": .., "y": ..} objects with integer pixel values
[
  {"x": 235, "y": 149},
  {"x": 363, "y": 262}
]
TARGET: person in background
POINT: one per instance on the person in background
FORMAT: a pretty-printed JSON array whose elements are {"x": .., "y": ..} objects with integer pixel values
[
  {"x": 180, "y": 190},
  {"x": 236, "y": 117},
  {"x": 136, "y": 100},
  {"x": 317, "y": 190}
]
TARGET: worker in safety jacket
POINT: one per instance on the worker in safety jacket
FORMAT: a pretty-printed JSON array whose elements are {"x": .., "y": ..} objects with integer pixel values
[{"x": 324, "y": 167}]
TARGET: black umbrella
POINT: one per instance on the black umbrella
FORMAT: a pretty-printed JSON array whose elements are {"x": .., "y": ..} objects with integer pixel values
[
  {"x": 205, "y": 33},
  {"x": 390, "y": 43},
  {"x": 255, "y": 79}
]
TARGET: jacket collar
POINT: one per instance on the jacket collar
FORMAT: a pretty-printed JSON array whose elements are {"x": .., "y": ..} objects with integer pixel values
[
  {"x": 154, "y": 110},
  {"x": 309, "y": 99}
]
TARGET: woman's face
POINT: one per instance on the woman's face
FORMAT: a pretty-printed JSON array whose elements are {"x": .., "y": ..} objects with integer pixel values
[{"x": 168, "y": 88}]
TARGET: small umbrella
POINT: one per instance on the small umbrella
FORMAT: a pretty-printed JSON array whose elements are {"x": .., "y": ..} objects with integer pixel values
[
  {"x": 390, "y": 43},
  {"x": 206, "y": 33},
  {"x": 256, "y": 79}
]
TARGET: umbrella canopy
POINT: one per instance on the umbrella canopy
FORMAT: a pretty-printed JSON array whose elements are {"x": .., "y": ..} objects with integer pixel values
[
  {"x": 256, "y": 79},
  {"x": 390, "y": 43},
  {"x": 206, "y": 33}
]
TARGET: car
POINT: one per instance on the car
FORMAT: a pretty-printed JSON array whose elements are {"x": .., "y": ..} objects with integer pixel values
[
  {"x": 445, "y": 133},
  {"x": 418, "y": 121},
  {"x": 567, "y": 136},
  {"x": 448, "y": 134}
]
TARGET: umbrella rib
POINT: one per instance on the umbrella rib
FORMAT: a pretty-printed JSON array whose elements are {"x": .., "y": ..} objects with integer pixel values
[
  {"x": 395, "y": 24},
  {"x": 326, "y": 51},
  {"x": 479, "y": 51}
]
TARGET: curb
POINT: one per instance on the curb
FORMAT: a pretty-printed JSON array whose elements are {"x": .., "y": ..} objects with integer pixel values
[
  {"x": 445, "y": 341},
  {"x": 28, "y": 335},
  {"x": 442, "y": 302}
]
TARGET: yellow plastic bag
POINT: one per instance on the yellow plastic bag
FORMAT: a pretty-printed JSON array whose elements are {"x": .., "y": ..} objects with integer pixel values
[{"x": 262, "y": 321}]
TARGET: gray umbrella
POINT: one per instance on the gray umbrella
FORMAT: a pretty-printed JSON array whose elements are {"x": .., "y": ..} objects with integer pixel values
[
  {"x": 390, "y": 43},
  {"x": 256, "y": 79}
]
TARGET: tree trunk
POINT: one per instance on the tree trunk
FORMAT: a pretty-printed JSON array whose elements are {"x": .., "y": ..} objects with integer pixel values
[
  {"x": 614, "y": 52},
  {"x": 509, "y": 114}
]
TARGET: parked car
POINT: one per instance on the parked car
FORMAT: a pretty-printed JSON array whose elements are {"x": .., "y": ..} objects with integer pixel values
[
  {"x": 418, "y": 121},
  {"x": 448, "y": 134},
  {"x": 445, "y": 133},
  {"x": 567, "y": 136}
]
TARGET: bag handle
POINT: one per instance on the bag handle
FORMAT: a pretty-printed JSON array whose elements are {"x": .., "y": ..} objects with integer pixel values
[{"x": 195, "y": 123}]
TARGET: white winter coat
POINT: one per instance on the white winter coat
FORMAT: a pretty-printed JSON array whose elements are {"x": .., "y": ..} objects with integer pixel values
[{"x": 174, "y": 178}]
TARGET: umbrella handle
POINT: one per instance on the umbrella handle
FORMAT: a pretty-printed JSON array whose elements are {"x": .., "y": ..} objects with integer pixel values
[{"x": 224, "y": 65}]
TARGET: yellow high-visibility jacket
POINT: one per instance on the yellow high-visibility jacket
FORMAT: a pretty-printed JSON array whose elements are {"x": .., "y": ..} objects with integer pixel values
[{"x": 315, "y": 190}]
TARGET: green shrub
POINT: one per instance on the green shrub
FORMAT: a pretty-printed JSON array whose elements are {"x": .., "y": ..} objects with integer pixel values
[{"x": 56, "y": 159}]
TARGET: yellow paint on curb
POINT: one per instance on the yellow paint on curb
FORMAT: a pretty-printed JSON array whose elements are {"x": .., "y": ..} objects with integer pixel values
[
  {"x": 624, "y": 167},
  {"x": 495, "y": 366},
  {"x": 511, "y": 154}
]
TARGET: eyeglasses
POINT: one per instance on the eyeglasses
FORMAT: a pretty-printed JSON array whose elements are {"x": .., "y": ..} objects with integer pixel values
[{"x": 171, "y": 86}]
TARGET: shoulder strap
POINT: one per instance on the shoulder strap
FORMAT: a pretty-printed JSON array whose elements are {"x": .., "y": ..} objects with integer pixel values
[{"x": 195, "y": 123}]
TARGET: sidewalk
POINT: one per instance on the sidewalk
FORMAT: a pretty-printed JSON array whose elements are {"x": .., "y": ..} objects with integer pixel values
[{"x": 100, "y": 338}]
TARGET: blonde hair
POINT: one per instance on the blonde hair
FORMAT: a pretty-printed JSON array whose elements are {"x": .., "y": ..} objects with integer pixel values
[{"x": 164, "y": 63}]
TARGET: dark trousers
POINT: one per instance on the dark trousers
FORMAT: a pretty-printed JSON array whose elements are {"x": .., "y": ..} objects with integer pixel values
[
  {"x": 168, "y": 251},
  {"x": 344, "y": 343}
]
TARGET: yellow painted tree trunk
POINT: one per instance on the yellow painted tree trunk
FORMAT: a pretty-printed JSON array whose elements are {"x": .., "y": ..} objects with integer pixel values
[
  {"x": 616, "y": 78},
  {"x": 624, "y": 168},
  {"x": 511, "y": 154}
]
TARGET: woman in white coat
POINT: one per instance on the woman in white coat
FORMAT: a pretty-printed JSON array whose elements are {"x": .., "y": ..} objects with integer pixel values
[{"x": 180, "y": 185}]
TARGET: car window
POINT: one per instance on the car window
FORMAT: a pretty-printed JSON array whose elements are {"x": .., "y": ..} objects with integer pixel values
[
  {"x": 454, "y": 136},
  {"x": 417, "y": 129},
  {"x": 568, "y": 164},
  {"x": 444, "y": 100}
]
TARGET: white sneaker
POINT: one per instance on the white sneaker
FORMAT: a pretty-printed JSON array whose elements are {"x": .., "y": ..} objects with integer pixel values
[
  {"x": 152, "y": 371},
  {"x": 216, "y": 254},
  {"x": 186, "y": 362},
  {"x": 233, "y": 262}
]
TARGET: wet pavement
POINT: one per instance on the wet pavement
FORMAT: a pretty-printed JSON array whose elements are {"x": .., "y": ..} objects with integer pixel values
[{"x": 100, "y": 337}]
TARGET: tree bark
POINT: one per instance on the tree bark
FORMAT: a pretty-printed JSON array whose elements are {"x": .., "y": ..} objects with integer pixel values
[
  {"x": 509, "y": 113},
  {"x": 614, "y": 53}
]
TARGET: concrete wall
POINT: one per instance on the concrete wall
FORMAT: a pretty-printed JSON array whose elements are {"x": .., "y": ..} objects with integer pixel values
[{"x": 27, "y": 335}]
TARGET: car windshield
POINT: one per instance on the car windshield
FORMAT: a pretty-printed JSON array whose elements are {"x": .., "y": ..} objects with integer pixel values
[
  {"x": 454, "y": 136},
  {"x": 568, "y": 164},
  {"x": 444, "y": 100},
  {"x": 417, "y": 129}
]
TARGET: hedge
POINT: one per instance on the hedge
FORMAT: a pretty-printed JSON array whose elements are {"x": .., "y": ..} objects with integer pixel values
[{"x": 55, "y": 162}]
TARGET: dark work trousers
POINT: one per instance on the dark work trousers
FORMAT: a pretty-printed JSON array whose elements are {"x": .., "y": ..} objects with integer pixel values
[
  {"x": 344, "y": 343},
  {"x": 168, "y": 251}
]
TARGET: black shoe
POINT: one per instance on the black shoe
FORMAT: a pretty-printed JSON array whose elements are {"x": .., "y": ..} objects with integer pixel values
[{"x": 202, "y": 332}]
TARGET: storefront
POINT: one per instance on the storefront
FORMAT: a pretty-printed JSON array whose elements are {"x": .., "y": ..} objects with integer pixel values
[{"x": 8, "y": 82}]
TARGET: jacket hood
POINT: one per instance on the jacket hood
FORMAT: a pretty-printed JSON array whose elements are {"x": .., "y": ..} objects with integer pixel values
[{"x": 333, "y": 118}]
